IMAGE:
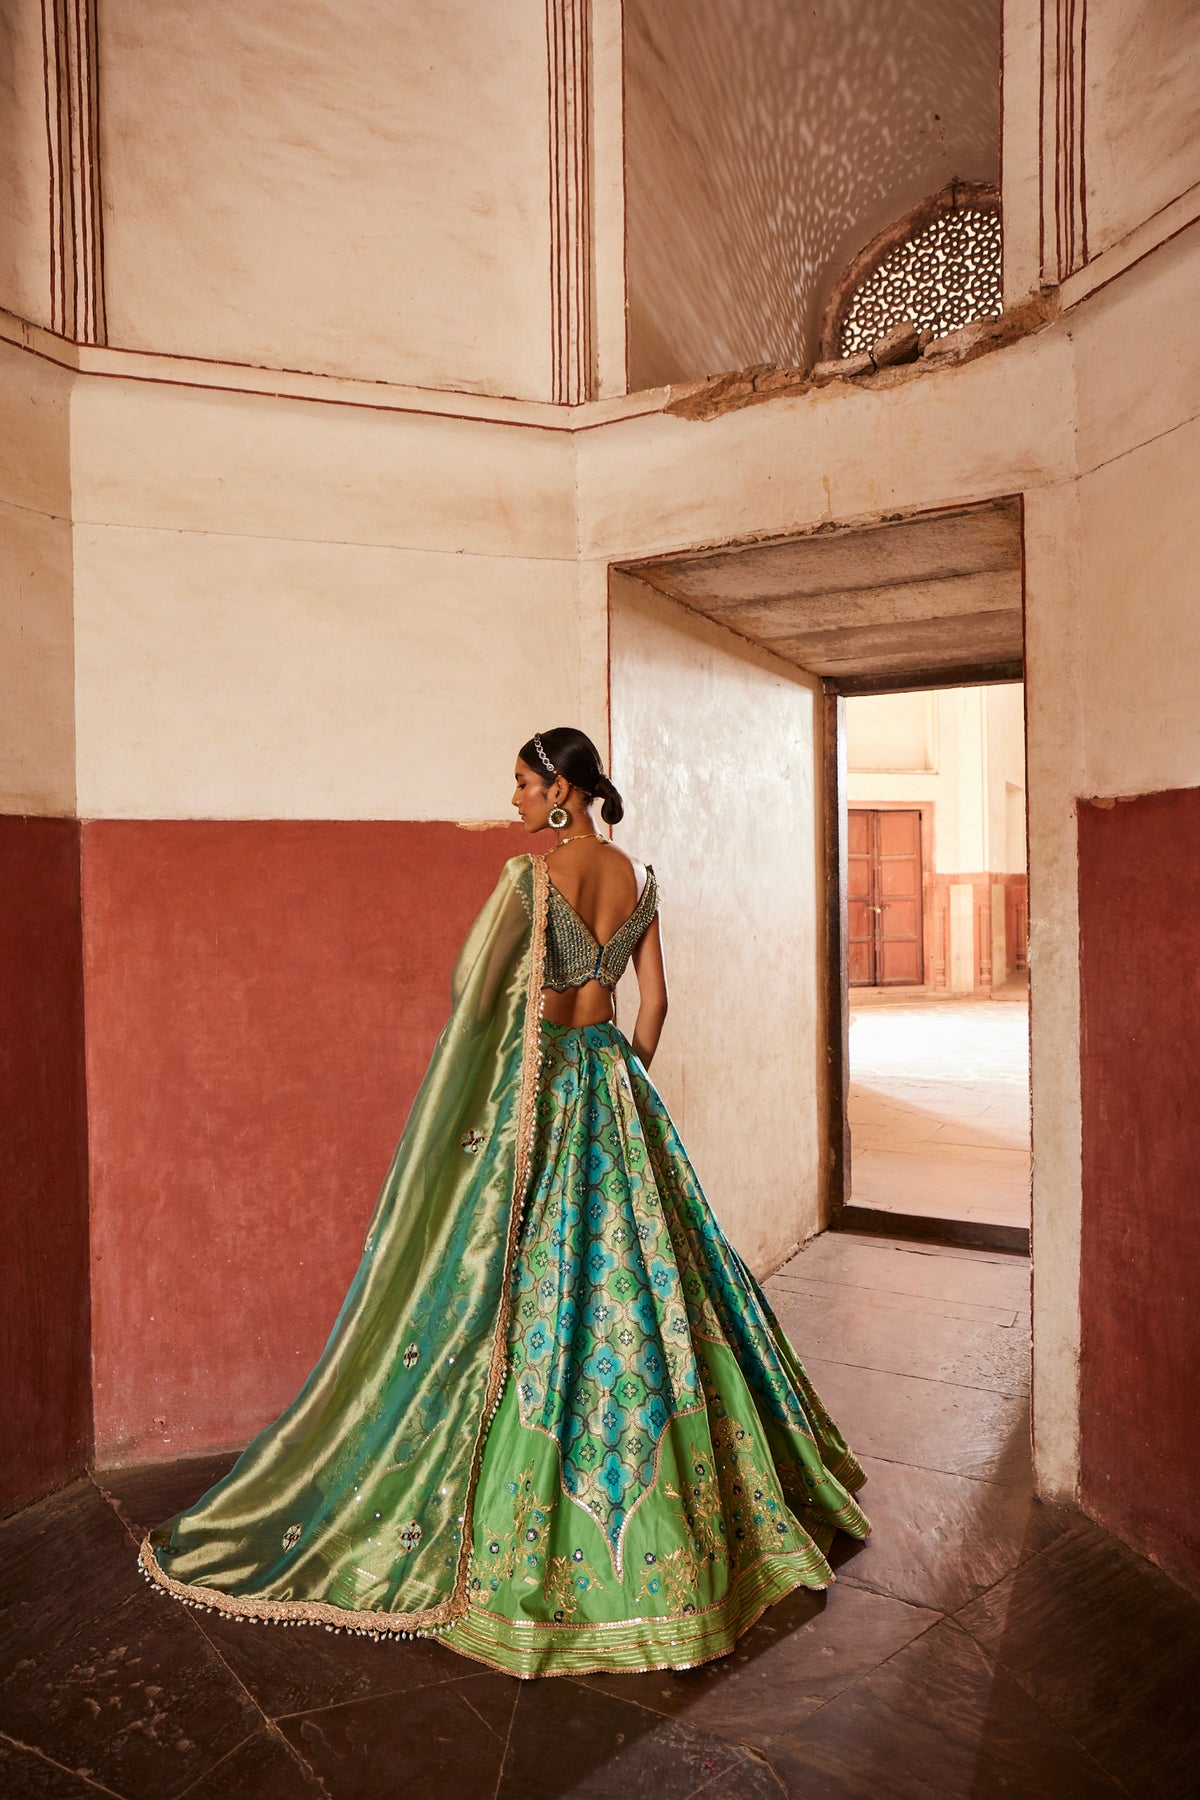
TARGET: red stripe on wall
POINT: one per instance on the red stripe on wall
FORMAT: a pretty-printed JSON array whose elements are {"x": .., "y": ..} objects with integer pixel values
[
  {"x": 262, "y": 999},
  {"x": 1139, "y": 902},
  {"x": 44, "y": 1370}
]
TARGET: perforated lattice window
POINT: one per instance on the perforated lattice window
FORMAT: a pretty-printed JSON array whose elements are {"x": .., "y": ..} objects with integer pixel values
[{"x": 940, "y": 278}]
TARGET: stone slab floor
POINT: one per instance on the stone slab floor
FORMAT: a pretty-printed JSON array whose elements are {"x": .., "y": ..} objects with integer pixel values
[
  {"x": 939, "y": 1109},
  {"x": 980, "y": 1644}
]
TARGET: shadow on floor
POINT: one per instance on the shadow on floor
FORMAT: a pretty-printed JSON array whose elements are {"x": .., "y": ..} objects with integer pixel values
[{"x": 979, "y": 1644}]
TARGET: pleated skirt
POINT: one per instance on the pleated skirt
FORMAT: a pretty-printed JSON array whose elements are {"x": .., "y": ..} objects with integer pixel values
[{"x": 660, "y": 1468}]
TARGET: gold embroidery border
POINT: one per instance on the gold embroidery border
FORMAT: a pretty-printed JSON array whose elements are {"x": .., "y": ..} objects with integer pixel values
[
  {"x": 431, "y": 1618},
  {"x": 811, "y": 1556},
  {"x": 699, "y": 1635}
]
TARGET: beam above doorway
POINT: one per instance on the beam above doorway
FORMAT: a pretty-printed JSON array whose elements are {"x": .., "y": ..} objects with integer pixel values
[{"x": 920, "y": 598}]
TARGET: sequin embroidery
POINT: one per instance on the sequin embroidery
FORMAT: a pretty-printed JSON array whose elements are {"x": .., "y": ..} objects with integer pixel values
[{"x": 573, "y": 955}]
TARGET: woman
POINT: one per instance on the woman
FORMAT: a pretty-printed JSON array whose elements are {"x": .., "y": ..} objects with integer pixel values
[{"x": 556, "y": 1421}]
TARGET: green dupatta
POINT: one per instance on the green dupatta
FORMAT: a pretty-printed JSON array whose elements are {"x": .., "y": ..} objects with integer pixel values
[{"x": 354, "y": 1508}]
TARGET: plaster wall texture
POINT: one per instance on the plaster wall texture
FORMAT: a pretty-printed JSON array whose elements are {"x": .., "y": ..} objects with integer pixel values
[
  {"x": 24, "y": 166},
  {"x": 1021, "y": 134},
  {"x": 891, "y": 734},
  {"x": 715, "y": 745},
  {"x": 291, "y": 610},
  {"x": 227, "y": 677},
  {"x": 1139, "y": 532},
  {"x": 359, "y": 189},
  {"x": 755, "y": 169},
  {"x": 1004, "y": 719},
  {"x": 37, "y": 697},
  {"x": 1141, "y": 101},
  {"x": 655, "y": 484},
  {"x": 1055, "y": 737}
]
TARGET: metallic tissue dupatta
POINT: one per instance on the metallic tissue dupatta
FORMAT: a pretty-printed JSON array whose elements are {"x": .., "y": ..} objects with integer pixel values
[{"x": 354, "y": 1508}]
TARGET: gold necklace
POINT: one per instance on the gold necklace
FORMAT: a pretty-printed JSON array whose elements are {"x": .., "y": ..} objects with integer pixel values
[{"x": 577, "y": 838}]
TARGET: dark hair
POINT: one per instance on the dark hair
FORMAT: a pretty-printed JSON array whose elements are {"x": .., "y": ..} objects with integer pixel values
[{"x": 577, "y": 760}]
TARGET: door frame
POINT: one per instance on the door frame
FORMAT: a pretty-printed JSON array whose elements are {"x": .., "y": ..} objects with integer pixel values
[{"x": 844, "y": 1215}]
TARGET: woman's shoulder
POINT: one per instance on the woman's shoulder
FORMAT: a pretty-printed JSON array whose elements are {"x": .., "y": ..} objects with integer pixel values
[{"x": 642, "y": 872}]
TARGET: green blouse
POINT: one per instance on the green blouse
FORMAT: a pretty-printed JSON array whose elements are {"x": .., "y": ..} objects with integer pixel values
[{"x": 573, "y": 955}]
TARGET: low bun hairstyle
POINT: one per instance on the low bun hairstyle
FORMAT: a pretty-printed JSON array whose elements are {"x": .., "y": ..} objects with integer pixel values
[{"x": 577, "y": 760}]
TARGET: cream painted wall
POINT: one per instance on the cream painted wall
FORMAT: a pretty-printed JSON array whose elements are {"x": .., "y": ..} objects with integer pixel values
[
  {"x": 1004, "y": 717},
  {"x": 1139, "y": 448},
  {"x": 293, "y": 610},
  {"x": 653, "y": 484},
  {"x": 714, "y": 746},
  {"x": 891, "y": 734},
  {"x": 236, "y": 677},
  {"x": 1141, "y": 111},
  {"x": 359, "y": 189},
  {"x": 37, "y": 701},
  {"x": 24, "y": 165},
  {"x": 767, "y": 144}
]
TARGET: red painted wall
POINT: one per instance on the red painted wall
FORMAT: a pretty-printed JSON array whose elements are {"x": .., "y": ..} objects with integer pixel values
[
  {"x": 1139, "y": 908},
  {"x": 262, "y": 999},
  {"x": 44, "y": 1372}
]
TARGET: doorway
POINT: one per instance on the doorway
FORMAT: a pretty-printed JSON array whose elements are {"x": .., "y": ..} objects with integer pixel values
[
  {"x": 929, "y": 825},
  {"x": 874, "y": 608}
]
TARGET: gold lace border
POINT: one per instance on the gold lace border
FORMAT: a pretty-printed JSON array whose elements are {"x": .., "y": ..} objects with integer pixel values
[
  {"x": 258, "y": 1609},
  {"x": 529, "y": 1647}
]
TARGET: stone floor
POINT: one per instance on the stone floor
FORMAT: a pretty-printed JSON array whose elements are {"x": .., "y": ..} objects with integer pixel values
[
  {"x": 939, "y": 1109},
  {"x": 979, "y": 1645}
]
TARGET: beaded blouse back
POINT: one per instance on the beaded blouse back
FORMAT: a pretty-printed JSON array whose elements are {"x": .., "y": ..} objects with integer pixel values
[{"x": 573, "y": 956}]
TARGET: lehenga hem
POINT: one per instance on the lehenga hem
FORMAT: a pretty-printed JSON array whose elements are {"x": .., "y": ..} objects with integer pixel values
[
  {"x": 532, "y": 1648},
  {"x": 258, "y": 1609}
]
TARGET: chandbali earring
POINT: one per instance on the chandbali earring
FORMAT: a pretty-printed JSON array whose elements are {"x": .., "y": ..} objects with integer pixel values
[{"x": 557, "y": 817}]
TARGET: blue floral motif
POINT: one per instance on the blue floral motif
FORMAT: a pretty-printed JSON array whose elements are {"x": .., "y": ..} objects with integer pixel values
[
  {"x": 603, "y": 1367},
  {"x": 615, "y": 1477}
]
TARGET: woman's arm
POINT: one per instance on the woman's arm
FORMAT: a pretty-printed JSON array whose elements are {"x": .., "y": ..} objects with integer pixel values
[{"x": 652, "y": 992}]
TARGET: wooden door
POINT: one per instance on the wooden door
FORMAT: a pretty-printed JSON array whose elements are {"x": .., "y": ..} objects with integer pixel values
[{"x": 884, "y": 896}]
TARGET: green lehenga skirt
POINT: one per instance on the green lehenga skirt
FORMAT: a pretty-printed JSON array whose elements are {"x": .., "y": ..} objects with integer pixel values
[{"x": 660, "y": 1468}]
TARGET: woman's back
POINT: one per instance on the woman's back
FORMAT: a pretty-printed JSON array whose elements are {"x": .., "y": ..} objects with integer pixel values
[{"x": 601, "y": 883}]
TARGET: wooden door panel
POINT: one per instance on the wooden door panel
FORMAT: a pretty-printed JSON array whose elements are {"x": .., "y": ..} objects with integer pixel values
[
  {"x": 901, "y": 921},
  {"x": 899, "y": 964},
  {"x": 885, "y": 898},
  {"x": 861, "y": 920},
  {"x": 899, "y": 833},
  {"x": 899, "y": 876}
]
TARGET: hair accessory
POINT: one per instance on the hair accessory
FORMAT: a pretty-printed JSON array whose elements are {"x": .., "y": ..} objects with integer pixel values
[{"x": 546, "y": 763}]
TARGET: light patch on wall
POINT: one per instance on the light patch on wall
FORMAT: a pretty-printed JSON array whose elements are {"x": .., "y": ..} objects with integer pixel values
[{"x": 767, "y": 144}]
